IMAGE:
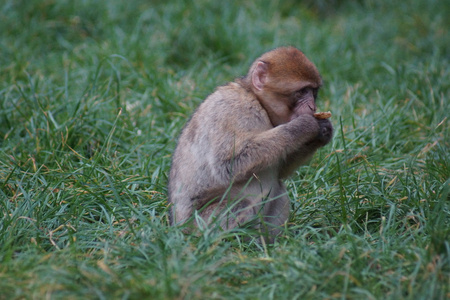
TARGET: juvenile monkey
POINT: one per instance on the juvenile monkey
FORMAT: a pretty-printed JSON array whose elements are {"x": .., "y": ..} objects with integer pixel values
[{"x": 244, "y": 139}]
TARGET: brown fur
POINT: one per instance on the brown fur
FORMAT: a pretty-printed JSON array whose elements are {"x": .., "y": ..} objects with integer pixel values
[{"x": 243, "y": 139}]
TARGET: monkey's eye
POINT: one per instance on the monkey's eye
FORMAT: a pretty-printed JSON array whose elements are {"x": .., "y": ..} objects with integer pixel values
[{"x": 302, "y": 93}]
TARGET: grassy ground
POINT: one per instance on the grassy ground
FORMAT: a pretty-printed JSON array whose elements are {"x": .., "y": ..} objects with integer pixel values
[{"x": 94, "y": 93}]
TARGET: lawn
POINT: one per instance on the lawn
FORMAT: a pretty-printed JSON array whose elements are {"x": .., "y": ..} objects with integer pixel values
[{"x": 93, "y": 95}]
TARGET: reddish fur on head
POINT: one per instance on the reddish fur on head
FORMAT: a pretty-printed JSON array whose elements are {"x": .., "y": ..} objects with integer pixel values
[
  {"x": 289, "y": 65},
  {"x": 276, "y": 76}
]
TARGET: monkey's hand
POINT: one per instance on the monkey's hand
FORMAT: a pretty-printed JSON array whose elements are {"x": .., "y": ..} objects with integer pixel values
[
  {"x": 311, "y": 135},
  {"x": 325, "y": 133}
]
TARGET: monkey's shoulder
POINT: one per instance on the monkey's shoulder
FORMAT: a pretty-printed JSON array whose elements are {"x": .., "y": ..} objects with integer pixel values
[{"x": 234, "y": 103}]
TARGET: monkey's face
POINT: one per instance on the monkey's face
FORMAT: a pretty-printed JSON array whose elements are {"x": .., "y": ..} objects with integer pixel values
[
  {"x": 304, "y": 101},
  {"x": 286, "y": 84},
  {"x": 286, "y": 101}
]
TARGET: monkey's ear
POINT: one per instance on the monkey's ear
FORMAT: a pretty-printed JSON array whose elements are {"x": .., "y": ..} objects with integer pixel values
[{"x": 259, "y": 75}]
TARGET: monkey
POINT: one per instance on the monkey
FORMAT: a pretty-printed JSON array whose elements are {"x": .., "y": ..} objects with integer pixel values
[{"x": 243, "y": 140}]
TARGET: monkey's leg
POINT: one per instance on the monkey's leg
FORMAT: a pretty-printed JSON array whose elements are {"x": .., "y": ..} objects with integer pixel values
[
  {"x": 229, "y": 214},
  {"x": 276, "y": 213}
]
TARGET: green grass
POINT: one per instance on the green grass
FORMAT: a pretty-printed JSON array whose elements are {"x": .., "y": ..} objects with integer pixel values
[{"x": 93, "y": 95}]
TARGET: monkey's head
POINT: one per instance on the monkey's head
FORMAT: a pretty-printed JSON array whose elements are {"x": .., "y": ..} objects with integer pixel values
[{"x": 286, "y": 83}]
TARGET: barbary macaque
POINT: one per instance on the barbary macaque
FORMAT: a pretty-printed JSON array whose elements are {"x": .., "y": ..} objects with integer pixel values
[{"x": 243, "y": 140}]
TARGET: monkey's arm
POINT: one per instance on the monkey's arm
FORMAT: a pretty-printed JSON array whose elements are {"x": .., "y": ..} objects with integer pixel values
[
  {"x": 254, "y": 152},
  {"x": 306, "y": 151}
]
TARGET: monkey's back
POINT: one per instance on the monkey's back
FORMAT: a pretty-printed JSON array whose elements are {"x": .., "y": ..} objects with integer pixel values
[{"x": 201, "y": 162}]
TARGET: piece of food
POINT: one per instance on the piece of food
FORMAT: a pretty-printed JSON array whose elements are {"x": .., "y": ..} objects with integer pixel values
[{"x": 322, "y": 115}]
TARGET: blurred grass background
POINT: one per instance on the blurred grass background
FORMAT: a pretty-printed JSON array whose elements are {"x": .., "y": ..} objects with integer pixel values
[{"x": 93, "y": 95}]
